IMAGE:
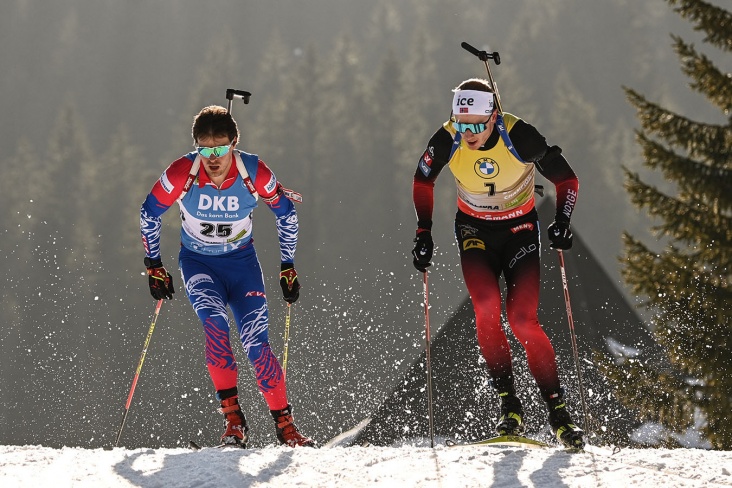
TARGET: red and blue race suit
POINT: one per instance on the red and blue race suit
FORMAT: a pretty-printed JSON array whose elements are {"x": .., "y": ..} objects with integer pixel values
[{"x": 219, "y": 265}]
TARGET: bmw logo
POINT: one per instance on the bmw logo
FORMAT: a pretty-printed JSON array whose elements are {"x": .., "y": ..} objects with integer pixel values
[{"x": 486, "y": 168}]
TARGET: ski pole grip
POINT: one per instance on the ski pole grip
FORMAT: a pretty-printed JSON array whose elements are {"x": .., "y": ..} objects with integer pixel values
[{"x": 232, "y": 93}]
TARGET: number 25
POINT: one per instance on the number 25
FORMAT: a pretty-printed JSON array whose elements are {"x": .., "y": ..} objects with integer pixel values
[{"x": 221, "y": 230}]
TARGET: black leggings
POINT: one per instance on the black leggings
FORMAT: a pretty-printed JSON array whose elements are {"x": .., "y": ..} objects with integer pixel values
[{"x": 512, "y": 248}]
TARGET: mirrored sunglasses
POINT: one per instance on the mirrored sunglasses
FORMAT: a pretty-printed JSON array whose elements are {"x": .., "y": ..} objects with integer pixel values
[
  {"x": 474, "y": 128},
  {"x": 216, "y": 152}
]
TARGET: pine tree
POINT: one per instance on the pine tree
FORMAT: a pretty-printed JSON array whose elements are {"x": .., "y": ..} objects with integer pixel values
[{"x": 688, "y": 284}]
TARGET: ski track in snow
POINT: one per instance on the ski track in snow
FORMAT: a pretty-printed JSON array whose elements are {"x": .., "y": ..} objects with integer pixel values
[{"x": 405, "y": 466}]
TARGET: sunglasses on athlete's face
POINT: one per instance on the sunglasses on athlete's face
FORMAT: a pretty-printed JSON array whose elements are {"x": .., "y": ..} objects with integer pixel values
[
  {"x": 475, "y": 128},
  {"x": 217, "y": 151}
]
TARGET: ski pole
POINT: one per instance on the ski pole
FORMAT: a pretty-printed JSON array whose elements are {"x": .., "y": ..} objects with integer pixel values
[
  {"x": 574, "y": 337},
  {"x": 485, "y": 56},
  {"x": 287, "y": 340},
  {"x": 139, "y": 368},
  {"x": 428, "y": 360}
]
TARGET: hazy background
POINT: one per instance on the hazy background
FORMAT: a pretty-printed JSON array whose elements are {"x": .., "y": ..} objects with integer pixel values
[{"x": 97, "y": 98}]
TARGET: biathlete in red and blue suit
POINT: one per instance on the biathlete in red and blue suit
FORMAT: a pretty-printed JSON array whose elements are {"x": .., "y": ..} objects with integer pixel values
[{"x": 217, "y": 188}]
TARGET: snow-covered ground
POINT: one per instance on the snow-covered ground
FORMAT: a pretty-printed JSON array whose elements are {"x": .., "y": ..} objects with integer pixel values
[{"x": 403, "y": 467}]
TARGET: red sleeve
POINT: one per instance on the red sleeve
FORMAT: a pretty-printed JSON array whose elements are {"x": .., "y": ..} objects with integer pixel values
[
  {"x": 430, "y": 164},
  {"x": 265, "y": 181},
  {"x": 170, "y": 184},
  {"x": 567, "y": 192},
  {"x": 555, "y": 168},
  {"x": 423, "y": 196}
]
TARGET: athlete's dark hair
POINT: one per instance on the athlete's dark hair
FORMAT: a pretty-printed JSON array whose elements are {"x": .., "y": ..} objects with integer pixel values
[
  {"x": 214, "y": 121},
  {"x": 477, "y": 84}
]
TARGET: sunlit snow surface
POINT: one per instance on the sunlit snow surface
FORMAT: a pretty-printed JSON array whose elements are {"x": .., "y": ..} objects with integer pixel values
[{"x": 404, "y": 466}]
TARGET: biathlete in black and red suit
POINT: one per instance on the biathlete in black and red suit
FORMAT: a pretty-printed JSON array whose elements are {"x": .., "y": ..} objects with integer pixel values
[{"x": 494, "y": 158}]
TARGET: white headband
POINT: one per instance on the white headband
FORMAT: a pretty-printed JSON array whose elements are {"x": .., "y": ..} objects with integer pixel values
[{"x": 472, "y": 102}]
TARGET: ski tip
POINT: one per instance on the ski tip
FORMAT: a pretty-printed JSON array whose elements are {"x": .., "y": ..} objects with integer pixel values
[{"x": 193, "y": 445}]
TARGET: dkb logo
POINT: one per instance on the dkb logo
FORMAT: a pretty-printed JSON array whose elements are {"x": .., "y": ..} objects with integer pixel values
[{"x": 223, "y": 204}]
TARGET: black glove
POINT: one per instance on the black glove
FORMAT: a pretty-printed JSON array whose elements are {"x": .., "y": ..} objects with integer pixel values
[
  {"x": 560, "y": 235},
  {"x": 160, "y": 281},
  {"x": 288, "y": 282},
  {"x": 422, "y": 251}
]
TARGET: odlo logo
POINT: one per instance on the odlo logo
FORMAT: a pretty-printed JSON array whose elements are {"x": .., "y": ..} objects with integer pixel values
[
  {"x": 525, "y": 250},
  {"x": 223, "y": 204}
]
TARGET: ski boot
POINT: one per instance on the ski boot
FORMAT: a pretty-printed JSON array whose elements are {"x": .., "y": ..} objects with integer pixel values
[
  {"x": 511, "y": 422},
  {"x": 562, "y": 425},
  {"x": 287, "y": 432},
  {"x": 236, "y": 425}
]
